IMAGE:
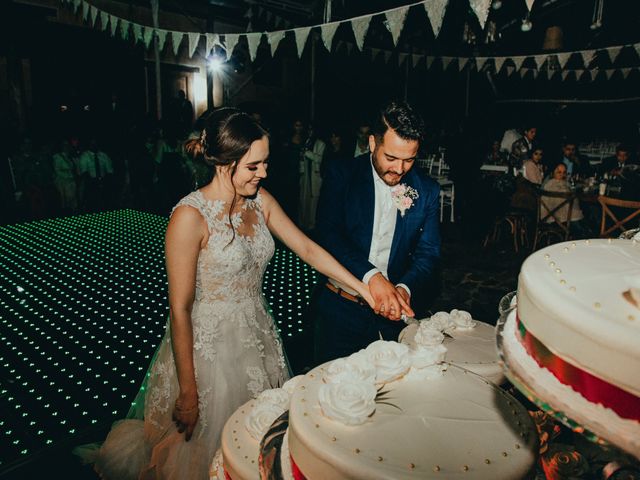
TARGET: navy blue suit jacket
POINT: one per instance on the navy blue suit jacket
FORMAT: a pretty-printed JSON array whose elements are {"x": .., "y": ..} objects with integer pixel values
[{"x": 344, "y": 223}]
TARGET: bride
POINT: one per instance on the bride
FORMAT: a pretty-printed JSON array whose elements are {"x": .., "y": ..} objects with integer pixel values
[{"x": 221, "y": 347}]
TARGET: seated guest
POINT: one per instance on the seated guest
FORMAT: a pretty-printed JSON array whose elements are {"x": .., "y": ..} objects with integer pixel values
[
  {"x": 495, "y": 156},
  {"x": 614, "y": 165},
  {"x": 362, "y": 139},
  {"x": 575, "y": 165},
  {"x": 533, "y": 170},
  {"x": 558, "y": 183}
]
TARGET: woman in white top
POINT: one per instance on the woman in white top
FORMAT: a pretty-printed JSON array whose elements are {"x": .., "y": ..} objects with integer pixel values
[{"x": 533, "y": 170}]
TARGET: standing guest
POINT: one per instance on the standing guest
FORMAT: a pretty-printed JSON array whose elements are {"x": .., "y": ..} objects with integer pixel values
[
  {"x": 310, "y": 179},
  {"x": 614, "y": 165},
  {"x": 95, "y": 169},
  {"x": 533, "y": 170},
  {"x": 379, "y": 217},
  {"x": 362, "y": 139},
  {"x": 292, "y": 153},
  {"x": 65, "y": 174},
  {"x": 521, "y": 148},
  {"x": 221, "y": 346}
]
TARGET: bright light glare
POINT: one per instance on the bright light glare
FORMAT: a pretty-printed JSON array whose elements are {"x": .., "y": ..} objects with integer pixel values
[{"x": 215, "y": 64}]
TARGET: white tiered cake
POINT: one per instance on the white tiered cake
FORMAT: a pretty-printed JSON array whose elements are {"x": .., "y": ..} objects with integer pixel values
[
  {"x": 388, "y": 412},
  {"x": 575, "y": 335}
]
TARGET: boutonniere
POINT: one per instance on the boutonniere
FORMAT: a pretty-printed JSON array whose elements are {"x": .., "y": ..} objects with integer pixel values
[{"x": 403, "y": 197}]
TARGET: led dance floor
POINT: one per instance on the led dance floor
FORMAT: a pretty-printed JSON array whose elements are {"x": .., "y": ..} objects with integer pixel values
[{"x": 83, "y": 305}]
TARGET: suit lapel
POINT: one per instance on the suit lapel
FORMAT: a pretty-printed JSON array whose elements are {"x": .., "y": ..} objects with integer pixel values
[
  {"x": 402, "y": 222},
  {"x": 363, "y": 200}
]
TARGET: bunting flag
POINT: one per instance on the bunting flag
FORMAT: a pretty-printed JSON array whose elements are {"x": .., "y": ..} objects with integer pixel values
[
  {"x": 563, "y": 58},
  {"x": 435, "y": 11},
  {"x": 625, "y": 72},
  {"x": 360, "y": 27},
  {"x": 301, "y": 35},
  {"x": 230, "y": 42},
  {"x": 124, "y": 29},
  {"x": 194, "y": 38},
  {"x": 374, "y": 53},
  {"x": 498, "y": 62},
  {"x": 395, "y": 20},
  {"x": 211, "y": 40},
  {"x": 93, "y": 15},
  {"x": 76, "y": 5},
  {"x": 510, "y": 70},
  {"x": 136, "y": 31},
  {"x": 637, "y": 48},
  {"x": 387, "y": 55},
  {"x": 162, "y": 38},
  {"x": 113, "y": 24},
  {"x": 253, "y": 41},
  {"x": 529, "y": 4},
  {"x": 550, "y": 73},
  {"x": 104, "y": 20},
  {"x": 445, "y": 62},
  {"x": 402, "y": 57},
  {"x": 565, "y": 74},
  {"x": 176, "y": 40},
  {"x": 147, "y": 36},
  {"x": 415, "y": 59},
  {"x": 85, "y": 11},
  {"x": 274, "y": 39},
  {"x": 430, "y": 61},
  {"x": 609, "y": 72},
  {"x": 523, "y": 72},
  {"x": 613, "y": 53},
  {"x": 480, "y": 61},
  {"x": 327, "y": 32},
  {"x": 534, "y": 72},
  {"x": 518, "y": 61},
  {"x": 539, "y": 59},
  {"x": 587, "y": 56},
  {"x": 481, "y": 9},
  {"x": 462, "y": 62}
]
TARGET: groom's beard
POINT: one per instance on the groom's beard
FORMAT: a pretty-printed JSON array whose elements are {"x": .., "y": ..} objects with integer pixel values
[{"x": 389, "y": 177}]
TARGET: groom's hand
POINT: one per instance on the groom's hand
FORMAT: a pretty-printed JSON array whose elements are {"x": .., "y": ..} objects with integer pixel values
[{"x": 390, "y": 303}]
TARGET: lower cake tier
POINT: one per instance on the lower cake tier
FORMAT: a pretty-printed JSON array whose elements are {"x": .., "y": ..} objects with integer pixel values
[
  {"x": 602, "y": 421},
  {"x": 458, "y": 425}
]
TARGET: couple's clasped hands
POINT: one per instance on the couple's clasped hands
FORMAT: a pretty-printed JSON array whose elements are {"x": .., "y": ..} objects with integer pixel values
[{"x": 388, "y": 300}]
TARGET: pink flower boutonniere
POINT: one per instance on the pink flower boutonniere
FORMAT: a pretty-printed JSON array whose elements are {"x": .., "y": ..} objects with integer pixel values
[{"x": 403, "y": 197}]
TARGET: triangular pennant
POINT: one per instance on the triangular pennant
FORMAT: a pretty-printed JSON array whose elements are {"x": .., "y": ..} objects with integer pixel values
[
  {"x": 162, "y": 38},
  {"x": 523, "y": 72},
  {"x": 445, "y": 62},
  {"x": 137, "y": 32},
  {"x": 230, "y": 42},
  {"x": 613, "y": 53},
  {"x": 498, "y": 62},
  {"x": 374, "y": 53},
  {"x": 124, "y": 29},
  {"x": 212, "y": 40},
  {"x": 563, "y": 58},
  {"x": 518, "y": 61},
  {"x": 301, "y": 35},
  {"x": 176, "y": 40},
  {"x": 104, "y": 20},
  {"x": 480, "y": 61},
  {"x": 430, "y": 61},
  {"x": 550, "y": 73},
  {"x": 194, "y": 39},
  {"x": 387, "y": 55},
  {"x": 76, "y": 5},
  {"x": 481, "y": 9},
  {"x": 327, "y": 33},
  {"x": 609, "y": 72},
  {"x": 253, "y": 40},
  {"x": 147, "y": 36},
  {"x": 510, "y": 70},
  {"x": 395, "y": 21},
  {"x": 625, "y": 72},
  {"x": 535, "y": 73},
  {"x": 637, "y": 48},
  {"x": 249, "y": 27},
  {"x": 529, "y": 4},
  {"x": 462, "y": 62},
  {"x": 415, "y": 59},
  {"x": 248, "y": 13},
  {"x": 274, "y": 39},
  {"x": 435, "y": 11},
  {"x": 565, "y": 74},
  {"x": 349, "y": 46},
  {"x": 85, "y": 11},
  {"x": 113, "y": 24},
  {"x": 402, "y": 57},
  {"x": 360, "y": 27},
  {"x": 539, "y": 59},
  {"x": 587, "y": 56},
  {"x": 93, "y": 15}
]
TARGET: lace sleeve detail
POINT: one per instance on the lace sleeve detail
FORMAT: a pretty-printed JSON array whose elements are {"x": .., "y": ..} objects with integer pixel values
[{"x": 208, "y": 210}]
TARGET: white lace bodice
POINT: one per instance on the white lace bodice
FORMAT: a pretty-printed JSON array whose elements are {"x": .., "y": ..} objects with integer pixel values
[{"x": 231, "y": 269}]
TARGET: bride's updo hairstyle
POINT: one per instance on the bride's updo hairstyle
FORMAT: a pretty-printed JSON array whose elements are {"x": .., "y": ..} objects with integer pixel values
[{"x": 226, "y": 138}]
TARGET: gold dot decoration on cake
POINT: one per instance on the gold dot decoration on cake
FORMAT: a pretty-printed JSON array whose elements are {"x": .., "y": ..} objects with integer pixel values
[
  {"x": 546, "y": 256},
  {"x": 587, "y": 242},
  {"x": 487, "y": 461},
  {"x": 558, "y": 270},
  {"x": 572, "y": 289},
  {"x": 334, "y": 439},
  {"x": 412, "y": 466},
  {"x": 505, "y": 454},
  {"x": 563, "y": 281},
  {"x": 357, "y": 450},
  {"x": 631, "y": 318},
  {"x": 565, "y": 249},
  {"x": 380, "y": 459},
  {"x": 436, "y": 468},
  {"x": 573, "y": 244},
  {"x": 517, "y": 446},
  {"x": 597, "y": 305},
  {"x": 465, "y": 468},
  {"x": 552, "y": 264}
]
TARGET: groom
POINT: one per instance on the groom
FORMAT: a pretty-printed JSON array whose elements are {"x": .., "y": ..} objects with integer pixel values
[{"x": 379, "y": 217}]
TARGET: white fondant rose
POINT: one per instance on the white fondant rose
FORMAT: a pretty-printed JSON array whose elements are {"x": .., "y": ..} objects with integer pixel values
[
  {"x": 261, "y": 418},
  {"x": 390, "y": 359},
  {"x": 291, "y": 384},
  {"x": 276, "y": 396},
  {"x": 423, "y": 357},
  {"x": 426, "y": 336},
  {"x": 356, "y": 366},
  {"x": 440, "y": 321},
  {"x": 462, "y": 319},
  {"x": 350, "y": 402}
]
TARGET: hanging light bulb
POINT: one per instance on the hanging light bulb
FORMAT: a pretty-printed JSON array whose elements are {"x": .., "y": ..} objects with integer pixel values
[
  {"x": 596, "y": 21},
  {"x": 497, "y": 4},
  {"x": 526, "y": 24}
]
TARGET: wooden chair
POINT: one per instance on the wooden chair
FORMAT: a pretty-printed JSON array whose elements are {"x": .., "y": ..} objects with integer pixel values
[
  {"x": 517, "y": 222},
  {"x": 607, "y": 213},
  {"x": 548, "y": 223}
]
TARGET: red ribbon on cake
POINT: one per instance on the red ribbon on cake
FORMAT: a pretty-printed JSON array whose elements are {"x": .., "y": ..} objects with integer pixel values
[{"x": 594, "y": 389}]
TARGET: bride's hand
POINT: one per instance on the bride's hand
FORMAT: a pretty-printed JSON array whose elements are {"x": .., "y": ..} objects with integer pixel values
[
  {"x": 185, "y": 414},
  {"x": 366, "y": 295}
]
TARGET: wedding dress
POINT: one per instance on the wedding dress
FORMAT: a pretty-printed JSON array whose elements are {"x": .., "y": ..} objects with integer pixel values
[{"x": 236, "y": 349}]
